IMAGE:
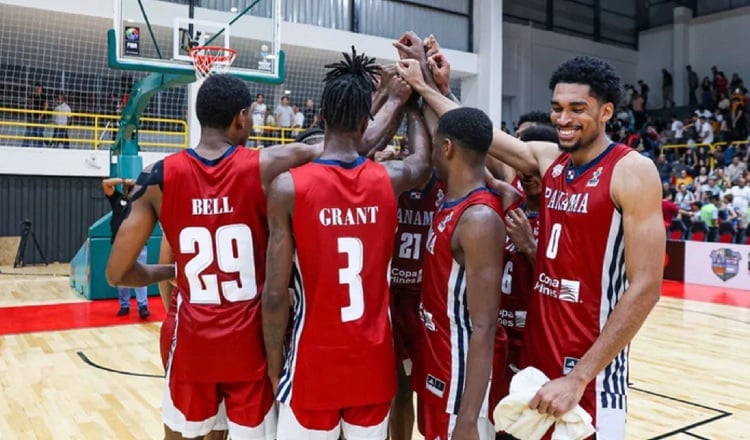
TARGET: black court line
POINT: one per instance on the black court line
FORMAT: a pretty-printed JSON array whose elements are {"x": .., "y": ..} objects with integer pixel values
[
  {"x": 714, "y": 315},
  {"x": 85, "y": 359},
  {"x": 685, "y": 429},
  {"x": 695, "y": 436}
]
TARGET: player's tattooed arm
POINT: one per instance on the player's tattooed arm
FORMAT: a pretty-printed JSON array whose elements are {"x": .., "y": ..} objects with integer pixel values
[
  {"x": 281, "y": 158},
  {"x": 415, "y": 170},
  {"x": 275, "y": 299},
  {"x": 478, "y": 226},
  {"x": 123, "y": 268}
]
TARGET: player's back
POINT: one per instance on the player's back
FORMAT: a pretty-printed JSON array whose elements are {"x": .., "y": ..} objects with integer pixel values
[
  {"x": 214, "y": 215},
  {"x": 342, "y": 348}
]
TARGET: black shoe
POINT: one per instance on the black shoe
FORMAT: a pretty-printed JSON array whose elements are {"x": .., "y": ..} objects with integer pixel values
[
  {"x": 123, "y": 311},
  {"x": 143, "y": 312}
]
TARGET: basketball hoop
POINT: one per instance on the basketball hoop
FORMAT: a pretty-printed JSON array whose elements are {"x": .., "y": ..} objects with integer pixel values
[{"x": 210, "y": 60}]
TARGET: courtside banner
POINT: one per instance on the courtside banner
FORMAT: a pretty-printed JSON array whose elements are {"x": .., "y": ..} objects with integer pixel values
[
  {"x": 674, "y": 261},
  {"x": 717, "y": 264}
]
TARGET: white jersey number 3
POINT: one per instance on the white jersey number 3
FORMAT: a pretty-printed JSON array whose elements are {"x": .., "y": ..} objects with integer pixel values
[
  {"x": 234, "y": 254},
  {"x": 349, "y": 275}
]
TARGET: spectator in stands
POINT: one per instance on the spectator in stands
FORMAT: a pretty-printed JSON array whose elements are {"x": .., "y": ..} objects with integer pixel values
[
  {"x": 120, "y": 203},
  {"x": 721, "y": 85},
  {"x": 676, "y": 130},
  {"x": 706, "y": 133},
  {"x": 736, "y": 169},
  {"x": 669, "y": 209},
  {"x": 737, "y": 83},
  {"x": 299, "y": 121},
  {"x": 644, "y": 92},
  {"x": 741, "y": 198},
  {"x": 667, "y": 90},
  {"x": 311, "y": 115},
  {"x": 638, "y": 106},
  {"x": 284, "y": 115},
  {"x": 718, "y": 155},
  {"x": 684, "y": 179},
  {"x": 706, "y": 93},
  {"x": 664, "y": 167},
  {"x": 739, "y": 120},
  {"x": 60, "y": 119},
  {"x": 258, "y": 110},
  {"x": 627, "y": 97},
  {"x": 683, "y": 197},
  {"x": 710, "y": 210},
  {"x": 722, "y": 104},
  {"x": 710, "y": 188},
  {"x": 692, "y": 85},
  {"x": 727, "y": 212},
  {"x": 36, "y": 103}
]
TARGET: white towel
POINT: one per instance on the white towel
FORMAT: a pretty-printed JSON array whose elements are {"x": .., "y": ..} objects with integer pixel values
[{"x": 513, "y": 415}]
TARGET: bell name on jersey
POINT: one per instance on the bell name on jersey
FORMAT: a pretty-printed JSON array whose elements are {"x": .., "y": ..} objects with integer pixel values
[{"x": 212, "y": 206}]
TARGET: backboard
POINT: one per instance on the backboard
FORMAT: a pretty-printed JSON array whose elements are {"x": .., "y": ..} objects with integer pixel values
[{"x": 156, "y": 35}]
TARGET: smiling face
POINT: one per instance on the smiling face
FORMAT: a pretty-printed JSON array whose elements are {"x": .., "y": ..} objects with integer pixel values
[{"x": 578, "y": 117}]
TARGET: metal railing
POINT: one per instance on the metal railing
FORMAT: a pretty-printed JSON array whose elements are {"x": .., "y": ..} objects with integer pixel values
[
  {"x": 85, "y": 130},
  {"x": 711, "y": 148}
]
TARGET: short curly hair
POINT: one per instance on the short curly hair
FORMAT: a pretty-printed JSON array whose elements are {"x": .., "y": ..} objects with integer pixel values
[
  {"x": 598, "y": 74},
  {"x": 535, "y": 117},
  {"x": 219, "y": 100}
]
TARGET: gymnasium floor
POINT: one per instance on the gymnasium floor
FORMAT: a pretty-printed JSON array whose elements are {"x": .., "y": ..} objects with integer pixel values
[{"x": 689, "y": 372}]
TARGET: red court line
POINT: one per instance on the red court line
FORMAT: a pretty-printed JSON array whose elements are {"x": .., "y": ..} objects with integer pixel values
[
  {"x": 715, "y": 295},
  {"x": 55, "y": 317}
]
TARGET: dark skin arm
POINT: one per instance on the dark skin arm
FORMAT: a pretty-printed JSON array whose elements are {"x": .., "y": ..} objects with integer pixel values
[
  {"x": 109, "y": 185},
  {"x": 478, "y": 226},
  {"x": 280, "y": 158},
  {"x": 275, "y": 299},
  {"x": 166, "y": 256},
  {"x": 387, "y": 120},
  {"x": 122, "y": 267},
  {"x": 414, "y": 170},
  {"x": 521, "y": 234}
]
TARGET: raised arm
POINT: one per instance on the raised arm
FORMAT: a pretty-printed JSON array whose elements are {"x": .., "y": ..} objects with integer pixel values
[
  {"x": 636, "y": 190},
  {"x": 109, "y": 185},
  {"x": 281, "y": 158},
  {"x": 416, "y": 168},
  {"x": 388, "y": 118},
  {"x": 528, "y": 158},
  {"x": 123, "y": 268},
  {"x": 479, "y": 228},
  {"x": 275, "y": 299}
]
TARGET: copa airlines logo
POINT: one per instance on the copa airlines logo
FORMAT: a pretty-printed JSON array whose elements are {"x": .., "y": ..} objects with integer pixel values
[{"x": 562, "y": 289}]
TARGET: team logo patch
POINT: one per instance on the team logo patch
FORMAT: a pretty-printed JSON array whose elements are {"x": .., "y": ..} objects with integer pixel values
[
  {"x": 594, "y": 181},
  {"x": 439, "y": 199},
  {"x": 568, "y": 364},
  {"x": 557, "y": 170},
  {"x": 571, "y": 175},
  {"x": 443, "y": 224},
  {"x": 725, "y": 263},
  {"x": 435, "y": 385},
  {"x": 415, "y": 195},
  {"x": 569, "y": 290}
]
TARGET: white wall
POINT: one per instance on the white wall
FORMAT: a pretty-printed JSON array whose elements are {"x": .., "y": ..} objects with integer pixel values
[
  {"x": 531, "y": 55},
  {"x": 714, "y": 40}
]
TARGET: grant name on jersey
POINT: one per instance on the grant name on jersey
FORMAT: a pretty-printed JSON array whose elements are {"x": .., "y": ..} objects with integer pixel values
[
  {"x": 416, "y": 218},
  {"x": 364, "y": 215},
  {"x": 561, "y": 201},
  {"x": 212, "y": 206}
]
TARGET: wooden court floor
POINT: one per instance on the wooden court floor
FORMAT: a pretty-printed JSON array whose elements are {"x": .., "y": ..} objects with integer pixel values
[{"x": 690, "y": 369}]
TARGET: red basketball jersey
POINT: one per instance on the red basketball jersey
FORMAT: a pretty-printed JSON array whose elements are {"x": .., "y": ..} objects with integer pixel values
[
  {"x": 415, "y": 211},
  {"x": 445, "y": 313},
  {"x": 344, "y": 222},
  {"x": 214, "y": 215},
  {"x": 518, "y": 277},
  {"x": 579, "y": 275}
]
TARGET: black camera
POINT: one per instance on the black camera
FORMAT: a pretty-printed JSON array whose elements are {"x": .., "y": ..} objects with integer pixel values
[{"x": 26, "y": 223}]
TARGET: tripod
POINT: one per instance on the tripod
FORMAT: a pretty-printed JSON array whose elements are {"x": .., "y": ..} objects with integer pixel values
[{"x": 22, "y": 245}]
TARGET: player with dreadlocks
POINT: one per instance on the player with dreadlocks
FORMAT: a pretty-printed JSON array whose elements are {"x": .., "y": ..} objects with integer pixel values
[{"x": 332, "y": 225}]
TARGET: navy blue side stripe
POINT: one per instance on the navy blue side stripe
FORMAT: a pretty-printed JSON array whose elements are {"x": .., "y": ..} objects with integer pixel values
[{"x": 458, "y": 295}]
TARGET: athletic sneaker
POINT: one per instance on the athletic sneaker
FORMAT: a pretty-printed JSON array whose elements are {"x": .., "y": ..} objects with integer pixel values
[
  {"x": 123, "y": 311},
  {"x": 143, "y": 312}
]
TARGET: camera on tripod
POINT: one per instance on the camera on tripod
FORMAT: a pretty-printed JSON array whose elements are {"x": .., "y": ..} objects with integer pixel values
[
  {"x": 20, "y": 262},
  {"x": 26, "y": 223}
]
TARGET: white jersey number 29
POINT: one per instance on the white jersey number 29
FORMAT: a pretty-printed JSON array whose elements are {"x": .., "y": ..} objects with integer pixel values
[
  {"x": 349, "y": 275},
  {"x": 234, "y": 254}
]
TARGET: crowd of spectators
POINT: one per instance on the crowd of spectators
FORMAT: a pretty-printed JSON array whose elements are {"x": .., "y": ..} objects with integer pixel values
[{"x": 704, "y": 167}]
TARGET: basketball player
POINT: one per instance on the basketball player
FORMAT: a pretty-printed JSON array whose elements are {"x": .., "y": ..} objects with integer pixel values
[
  {"x": 522, "y": 225},
  {"x": 598, "y": 271},
  {"x": 461, "y": 283},
  {"x": 211, "y": 203},
  {"x": 335, "y": 219}
]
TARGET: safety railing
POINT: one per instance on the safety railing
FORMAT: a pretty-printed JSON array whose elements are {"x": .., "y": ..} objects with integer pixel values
[
  {"x": 94, "y": 130},
  {"x": 711, "y": 148},
  {"x": 85, "y": 130}
]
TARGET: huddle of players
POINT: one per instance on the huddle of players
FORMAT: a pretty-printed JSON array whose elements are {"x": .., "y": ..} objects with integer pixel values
[{"x": 245, "y": 225}]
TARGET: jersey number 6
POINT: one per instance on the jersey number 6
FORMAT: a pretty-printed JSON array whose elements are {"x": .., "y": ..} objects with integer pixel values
[{"x": 234, "y": 254}]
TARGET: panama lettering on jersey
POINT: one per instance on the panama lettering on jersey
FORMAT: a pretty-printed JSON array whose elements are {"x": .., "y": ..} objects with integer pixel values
[
  {"x": 444, "y": 311},
  {"x": 214, "y": 215},
  {"x": 341, "y": 352},
  {"x": 416, "y": 210},
  {"x": 579, "y": 275}
]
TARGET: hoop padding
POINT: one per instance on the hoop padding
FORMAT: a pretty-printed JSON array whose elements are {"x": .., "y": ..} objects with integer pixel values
[{"x": 210, "y": 60}]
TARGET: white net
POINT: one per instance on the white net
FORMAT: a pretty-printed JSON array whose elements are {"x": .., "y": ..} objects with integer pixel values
[
  {"x": 66, "y": 54},
  {"x": 210, "y": 60}
]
